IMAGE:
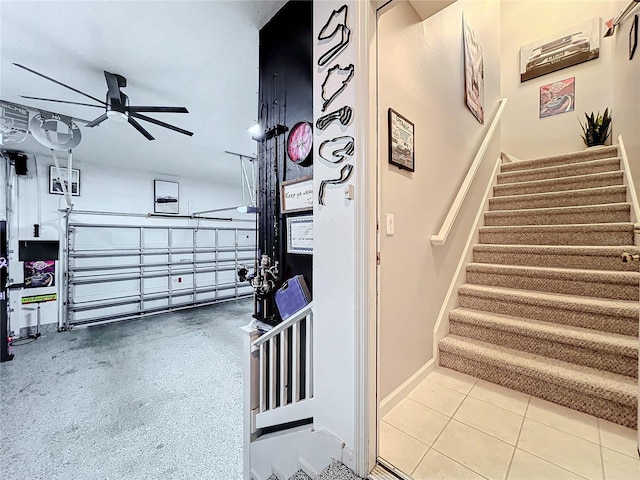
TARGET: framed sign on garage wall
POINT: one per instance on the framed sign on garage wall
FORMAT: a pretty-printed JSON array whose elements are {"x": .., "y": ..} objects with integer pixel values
[
  {"x": 165, "y": 198},
  {"x": 59, "y": 176}
]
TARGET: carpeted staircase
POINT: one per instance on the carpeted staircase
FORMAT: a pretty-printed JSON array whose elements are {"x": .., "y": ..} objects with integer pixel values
[{"x": 549, "y": 308}]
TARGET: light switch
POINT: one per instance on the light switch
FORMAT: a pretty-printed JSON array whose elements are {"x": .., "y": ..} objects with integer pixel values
[{"x": 391, "y": 224}]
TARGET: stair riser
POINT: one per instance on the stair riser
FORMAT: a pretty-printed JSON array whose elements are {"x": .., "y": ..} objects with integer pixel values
[
  {"x": 530, "y": 176},
  {"x": 605, "y": 180},
  {"x": 613, "y": 215},
  {"x": 557, "y": 200},
  {"x": 576, "y": 399},
  {"x": 587, "y": 262},
  {"x": 576, "y": 237},
  {"x": 598, "y": 289},
  {"x": 585, "y": 156},
  {"x": 589, "y": 357},
  {"x": 551, "y": 313}
]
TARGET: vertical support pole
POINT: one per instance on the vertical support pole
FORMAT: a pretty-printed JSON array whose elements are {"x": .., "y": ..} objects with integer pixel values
[
  {"x": 283, "y": 368},
  {"x": 216, "y": 237},
  {"x": 170, "y": 270},
  {"x": 273, "y": 385},
  {"x": 295, "y": 362},
  {"x": 141, "y": 267},
  {"x": 309, "y": 360},
  {"x": 67, "y": 274}
]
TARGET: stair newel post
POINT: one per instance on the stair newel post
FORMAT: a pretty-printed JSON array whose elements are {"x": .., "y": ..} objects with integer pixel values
[{"x": 251, "y": 393}]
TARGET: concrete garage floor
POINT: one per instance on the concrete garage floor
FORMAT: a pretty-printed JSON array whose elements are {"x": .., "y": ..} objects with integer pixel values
[{"x": 154, "y": 398}]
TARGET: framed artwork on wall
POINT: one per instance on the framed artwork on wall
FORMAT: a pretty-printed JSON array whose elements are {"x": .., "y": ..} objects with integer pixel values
[
  {"x": 165, "y": 197},
  {"x": 566, "y": 48},
  {"x": 401, "y": 141},
  {"x": 300, "y": 235},
  {"x": 296, "y": 195},
  {"x": 633, "y": 37},
  {"x": 557, "y": 97},
  {"x": 473, "y": 73},
  {"x": 58, "y": 177}
]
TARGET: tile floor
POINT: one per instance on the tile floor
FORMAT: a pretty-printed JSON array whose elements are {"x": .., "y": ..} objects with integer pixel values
[{"x": 453, "y": 426}]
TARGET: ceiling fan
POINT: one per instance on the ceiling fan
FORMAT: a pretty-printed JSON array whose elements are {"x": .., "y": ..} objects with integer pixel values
[{"x": 116, "y": 105}]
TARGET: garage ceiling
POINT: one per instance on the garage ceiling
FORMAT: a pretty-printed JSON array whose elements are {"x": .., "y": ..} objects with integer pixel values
[{"x": 201, "y": 55}]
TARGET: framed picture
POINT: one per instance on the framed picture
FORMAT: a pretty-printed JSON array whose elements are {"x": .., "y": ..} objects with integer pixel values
[
  {"x": 57, "y": 179},
  {"x": 566, "y": 48},
  {"x": 633, "y": 37},
  {"x": 300, "y": 235},
  {"x": 165, "y": 197},
  {"x": 557, "y": 97},
  {"x": 473, "y": 73},
  {"x": 401, "y": 141},
  {"x": 296, "y": 195}
]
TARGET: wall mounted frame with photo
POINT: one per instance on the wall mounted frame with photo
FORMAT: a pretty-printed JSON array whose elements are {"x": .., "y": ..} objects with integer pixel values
[
  {"x": 296, "y": 195},
  {"x": 165, "y": 197},
  {"x": 557, "y": 97},
  {"x": 473, "y": 73},
  {"x": 633, "y": 37},
  {"x": 401, "y": 141},
  {"x": 58, "y": 177},
  {"x": 300, "y": 235},
  {"x": 566, "y": 48}
]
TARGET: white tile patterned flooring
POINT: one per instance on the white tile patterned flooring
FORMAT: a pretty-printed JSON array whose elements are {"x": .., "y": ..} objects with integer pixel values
[{"x": 453, "y": 426}]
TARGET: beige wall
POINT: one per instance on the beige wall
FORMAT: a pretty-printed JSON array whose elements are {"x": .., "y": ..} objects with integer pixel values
[
  {"x": 420, "y": 76},
  {"x": 626, "y": 94},
  {"x": 524, "y": 134}
]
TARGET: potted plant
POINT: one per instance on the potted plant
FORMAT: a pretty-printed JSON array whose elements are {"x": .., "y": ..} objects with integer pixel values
[{"x": 596, "y": 129}]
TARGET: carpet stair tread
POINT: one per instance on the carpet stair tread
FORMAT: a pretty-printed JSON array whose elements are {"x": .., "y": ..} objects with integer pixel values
[
  {"x": 620, "y": 233},
  {"x": 624, "y": 308},
  {"x": 579, "y": 156},
  {"x": 558, "y": 171},
  {"x": 582, "y": 214},
  {"x": 565, "y": 198},
  {"x": 626, "y": 345},
  {"x": 576, "y": 182},
  {"x": 618, "y": 388},
  {"x": 560, "y": 256},
  {"x": 593, "y": 283}
]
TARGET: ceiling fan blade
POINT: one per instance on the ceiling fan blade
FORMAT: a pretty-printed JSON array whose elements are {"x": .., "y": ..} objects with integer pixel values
[
  {"x": 162, "y": 124},
  {"x": 114, "y": 90},
  {"x": 62, "y": 101},
  {"x": 97, "y": 121},
  {"x": 140, "y": 129},
  {"x": 137, "y": 108},
  {"x": 60, "y": 83}
]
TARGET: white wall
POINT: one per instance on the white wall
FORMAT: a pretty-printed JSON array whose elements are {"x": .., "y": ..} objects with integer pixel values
[
  {"x": 626, "y": 93},
  {"x": 102, "y": 188},
  {"x": 421, "y": 76},
  {"x": 524, "y": 134}
]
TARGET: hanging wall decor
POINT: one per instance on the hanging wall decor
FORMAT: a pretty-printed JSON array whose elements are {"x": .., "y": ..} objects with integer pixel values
[
  {"x": 401, "y": 141},
  {"x": 57, "y": 132},
  {"x": 296, "y": 195},
  {"x": 337, "y": 149},
  {"x": 14, "y": 123},
  {"x": 59, "y": 176},
  {"x": 345, "y": 173},
  {"x": 165, "y": 198},
  {"x": 566, "y": 48},
  {"x": 557, "y": 97},
  {"x": 342, "y": 115},
  {"x": 300, "y": 235},
  {"x": 335, "y": 82},
  {"x": 300, "y": 144},
  {"x": 473, "y": 73},
  {"x": 337, "y": 22}
]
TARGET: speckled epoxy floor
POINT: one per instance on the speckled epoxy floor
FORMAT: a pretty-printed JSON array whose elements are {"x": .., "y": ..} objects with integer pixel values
[{"x": 155, "y": 398}]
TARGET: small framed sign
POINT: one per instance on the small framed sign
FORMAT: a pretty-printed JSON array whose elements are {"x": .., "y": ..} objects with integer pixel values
[
  {"x": 296, "y": 195},
  {"x": 401, "y": 141},
  {"x": 165, "y": 197},
  {"x": 59, "y": 176},
  {"x": 300, "y": 235}
]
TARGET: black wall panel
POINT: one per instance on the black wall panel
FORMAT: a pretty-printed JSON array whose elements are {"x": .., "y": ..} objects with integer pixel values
[{"x": 285, "y": 98}]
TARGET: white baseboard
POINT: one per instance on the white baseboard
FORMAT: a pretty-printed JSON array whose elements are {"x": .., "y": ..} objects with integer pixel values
[{"x": 403, "y": 390}]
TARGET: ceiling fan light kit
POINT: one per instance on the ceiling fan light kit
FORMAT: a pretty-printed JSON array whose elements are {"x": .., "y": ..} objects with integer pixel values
[{"x": 117, "y": 106}]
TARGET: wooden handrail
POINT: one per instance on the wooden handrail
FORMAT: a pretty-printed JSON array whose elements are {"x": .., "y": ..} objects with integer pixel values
[
  {"x": 296, "y": 317},
  {"x": 635, "y": 207},
  {"x": 450, "y": 219}
]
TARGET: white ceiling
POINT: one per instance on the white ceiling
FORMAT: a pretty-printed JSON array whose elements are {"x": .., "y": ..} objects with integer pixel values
[{"x": 201, "y": 55}]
